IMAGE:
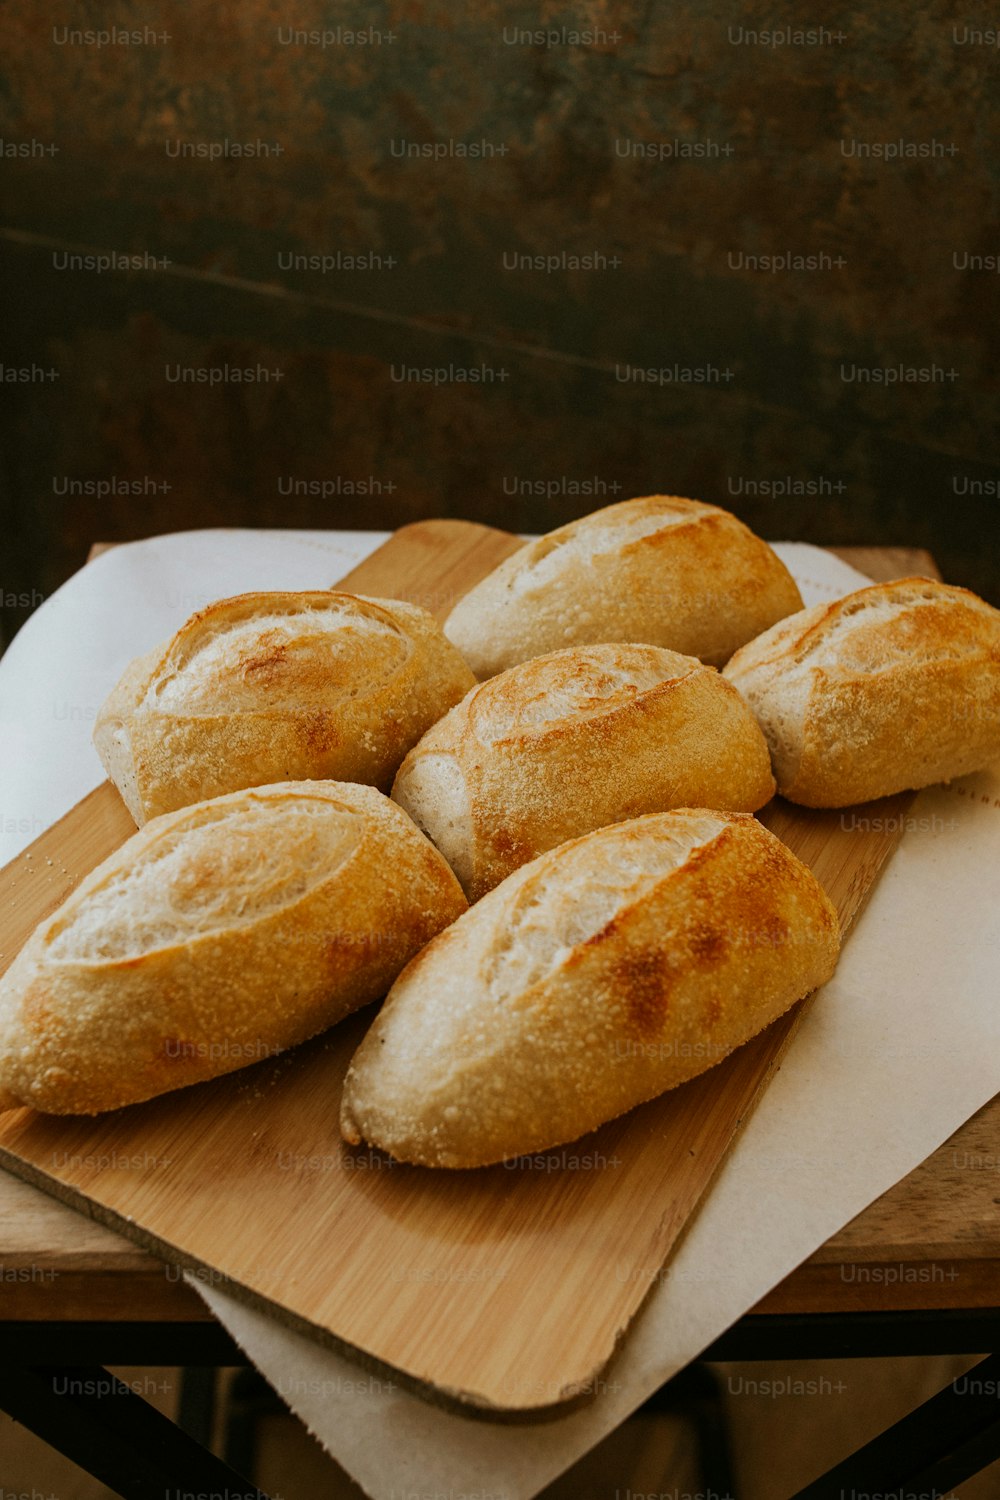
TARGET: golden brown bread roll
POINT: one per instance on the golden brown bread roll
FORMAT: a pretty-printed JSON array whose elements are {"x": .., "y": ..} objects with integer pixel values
[
  {"x": 217, "y": 936},
  {"x": 275, "y": 687},
  {"x": 893, "y": 687},
  {"x": 596, "y": 977},
  {"x": 660, "y": 570},
  {"x": 568, "y": 742}
]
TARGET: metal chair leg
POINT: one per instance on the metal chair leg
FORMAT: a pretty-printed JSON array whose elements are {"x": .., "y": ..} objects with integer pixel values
[
  {"x": 939, "y": 1445},
  {"x": 95, "y": 1420}
]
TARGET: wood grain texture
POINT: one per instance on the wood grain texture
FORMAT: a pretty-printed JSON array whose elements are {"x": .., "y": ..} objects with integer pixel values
[{"x": 506, "y": 1288}]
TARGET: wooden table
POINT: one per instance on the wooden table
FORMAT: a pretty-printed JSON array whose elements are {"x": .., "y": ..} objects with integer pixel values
[{"x": 937, "y": 1232}]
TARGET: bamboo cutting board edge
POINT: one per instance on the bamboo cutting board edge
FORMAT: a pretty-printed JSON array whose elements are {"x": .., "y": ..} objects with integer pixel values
[{"x": 461, "y": 1403}]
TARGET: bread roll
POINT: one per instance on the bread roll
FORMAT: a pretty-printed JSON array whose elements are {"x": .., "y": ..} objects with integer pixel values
[
  {"x": 603, "y": 973},
  {"x": 214, "y": 937},
  {"x": 663, "y": 571},
  {"x": 276, "y": 687},
  {"x": 895, "y": 686},
  {"x": 570, "y": 741}
]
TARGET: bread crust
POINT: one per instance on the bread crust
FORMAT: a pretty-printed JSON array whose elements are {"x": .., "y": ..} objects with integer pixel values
[
  {"x": 571, "y": 741},
  {"x": 268, "y": 687},
  {"x": 522, "y": 1026},
  {"x": 216, "y": 936},
  {"x": 892, "y": 688},
  {"x": 661, "y": 570}
]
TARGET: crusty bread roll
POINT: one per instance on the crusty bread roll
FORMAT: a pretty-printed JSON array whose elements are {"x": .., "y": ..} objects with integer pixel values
[
  {"x": 216, "y": 936},
  {"x": 568, "y": 742},
  {"x": 664, "y": 571},
  {"x": 603, "y": 973},
  {"x": 895, "y": 686},
  {"x": 276, "y": 687}
]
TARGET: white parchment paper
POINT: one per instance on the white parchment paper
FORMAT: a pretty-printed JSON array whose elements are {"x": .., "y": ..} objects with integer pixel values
[{"x": 894, "y": 1054}]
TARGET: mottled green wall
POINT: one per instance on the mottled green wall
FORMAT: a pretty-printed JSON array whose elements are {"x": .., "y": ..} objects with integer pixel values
[{"x": 759, "y": 158}]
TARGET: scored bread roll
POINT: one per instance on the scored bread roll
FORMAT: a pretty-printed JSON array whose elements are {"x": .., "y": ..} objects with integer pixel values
[
  {"x": 660, "y": 570},
  {"x": 214, "y": 937},
  {"x": 608, "y": 970},
  {"x": 893, "y": 687},
  {"x": 275, "y": 687},
  {"x": 567, "y": 742}
]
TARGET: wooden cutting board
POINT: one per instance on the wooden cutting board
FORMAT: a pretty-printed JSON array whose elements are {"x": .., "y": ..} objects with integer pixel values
[{"x": 505, "y": 1289}]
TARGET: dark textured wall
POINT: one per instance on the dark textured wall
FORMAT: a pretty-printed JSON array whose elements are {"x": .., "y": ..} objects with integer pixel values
[{"x": 670, "y": 148}]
